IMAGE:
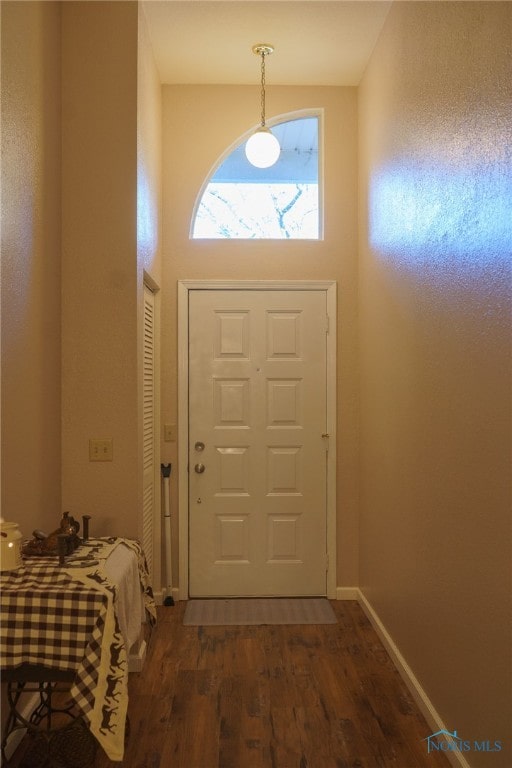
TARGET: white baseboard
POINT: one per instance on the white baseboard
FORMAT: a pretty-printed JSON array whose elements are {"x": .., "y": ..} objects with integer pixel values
[
  {"x": 425, "y": 705},
  {"x": 161, "y": 594},
  {"x": 137, "y": 657}
]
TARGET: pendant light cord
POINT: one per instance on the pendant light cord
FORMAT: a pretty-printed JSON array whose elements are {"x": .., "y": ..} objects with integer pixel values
[{"x": 263, "y": 89}]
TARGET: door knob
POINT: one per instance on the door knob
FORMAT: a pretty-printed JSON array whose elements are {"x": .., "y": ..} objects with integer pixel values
[{"x": 199, "y": 468}]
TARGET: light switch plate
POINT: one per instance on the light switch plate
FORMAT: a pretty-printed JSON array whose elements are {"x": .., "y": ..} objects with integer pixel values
[{"x": 101, "y": 449}]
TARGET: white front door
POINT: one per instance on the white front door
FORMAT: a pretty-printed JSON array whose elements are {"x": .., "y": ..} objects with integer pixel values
[{"x": 258, "y": 451}]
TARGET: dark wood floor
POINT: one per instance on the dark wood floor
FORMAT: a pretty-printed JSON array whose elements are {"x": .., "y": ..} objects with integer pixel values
[{"x": 272, "y": 697}]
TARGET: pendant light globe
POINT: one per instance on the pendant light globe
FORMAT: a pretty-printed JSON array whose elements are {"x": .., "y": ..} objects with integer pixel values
[{"x": 262, "y": 148}]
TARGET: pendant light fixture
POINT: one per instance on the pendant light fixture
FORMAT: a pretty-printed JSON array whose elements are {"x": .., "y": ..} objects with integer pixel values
[{"x": 262, "y": 148}]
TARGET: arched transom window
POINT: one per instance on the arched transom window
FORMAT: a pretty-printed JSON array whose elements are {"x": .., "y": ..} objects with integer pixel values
[{"x": 280, "y": 202}]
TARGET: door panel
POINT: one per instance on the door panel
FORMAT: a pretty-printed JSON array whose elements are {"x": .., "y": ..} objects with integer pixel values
[{"x": 257, "y": 400}]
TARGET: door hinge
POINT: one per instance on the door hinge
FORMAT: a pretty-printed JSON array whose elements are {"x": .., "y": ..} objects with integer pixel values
[
  {"x": 326, "y": 562},
  {"x": 327, "y": 323}
]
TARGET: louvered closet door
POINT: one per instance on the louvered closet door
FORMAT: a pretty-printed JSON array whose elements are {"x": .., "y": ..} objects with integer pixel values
[{"x": 149, "y": 427}]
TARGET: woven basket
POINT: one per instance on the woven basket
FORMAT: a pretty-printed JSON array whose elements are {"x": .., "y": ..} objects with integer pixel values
[{"x": 70, "y": 747}]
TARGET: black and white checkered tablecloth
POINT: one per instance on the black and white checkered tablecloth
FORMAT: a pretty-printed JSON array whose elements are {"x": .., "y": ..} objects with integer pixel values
[
  {"x": 47, "y": 617},
  {"x": 65, "y": 618}
]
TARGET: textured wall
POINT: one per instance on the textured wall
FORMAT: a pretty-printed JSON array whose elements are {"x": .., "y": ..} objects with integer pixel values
[
  {"x": 149, "y": 155},
  {"x": 92, "y": 130},
  {"x": 435, "y": 288},
  {"x": 31, "y": 484},
  {"x": 199, "y": 124},
  {"x": 100, "y": 384}
]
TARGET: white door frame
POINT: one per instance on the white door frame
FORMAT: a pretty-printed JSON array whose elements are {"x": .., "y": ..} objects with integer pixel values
[{"x": 184, "y": 286}]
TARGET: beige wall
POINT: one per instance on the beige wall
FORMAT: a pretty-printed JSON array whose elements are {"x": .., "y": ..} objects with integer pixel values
[
  {"x": 199, "y": 124},
  {"x": 149, "y": 156},
  {"x": 100, "y": 385},
  {"x": 435, "y": 280},
  {"x": 31, "y": 242},
  {"x": 81, "y": 178}
]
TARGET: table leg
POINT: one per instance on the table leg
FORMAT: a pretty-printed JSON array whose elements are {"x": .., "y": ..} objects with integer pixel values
[{"x": 52, "y": 743}]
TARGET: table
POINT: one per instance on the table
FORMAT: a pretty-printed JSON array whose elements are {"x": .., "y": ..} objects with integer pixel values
[{"x": 72, "y": 622}]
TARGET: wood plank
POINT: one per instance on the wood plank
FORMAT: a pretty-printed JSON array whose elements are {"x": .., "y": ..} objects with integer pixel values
[{"x": 310, "y": 696}]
